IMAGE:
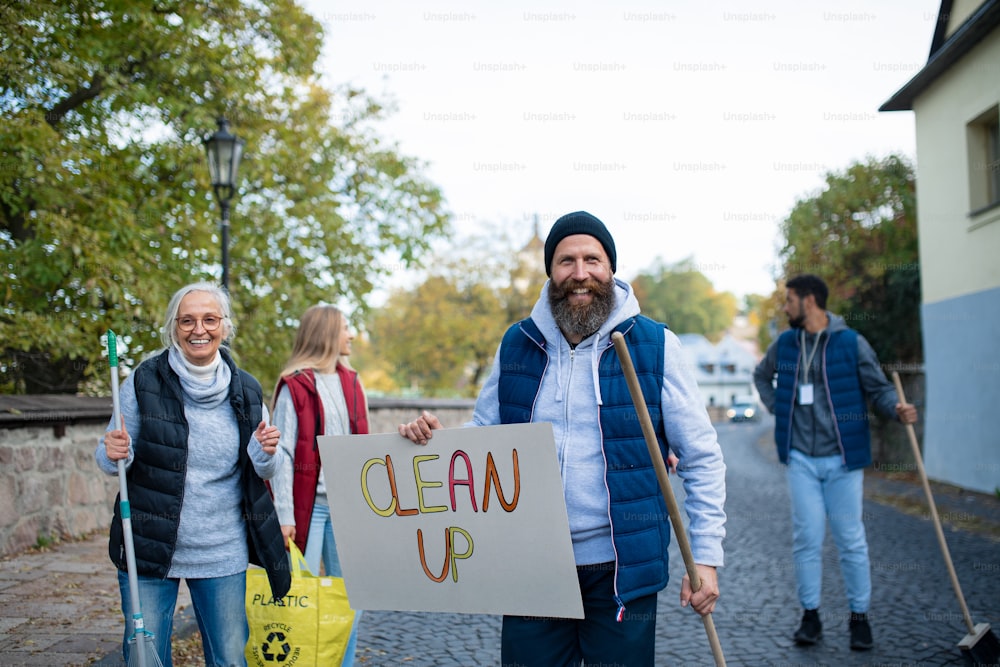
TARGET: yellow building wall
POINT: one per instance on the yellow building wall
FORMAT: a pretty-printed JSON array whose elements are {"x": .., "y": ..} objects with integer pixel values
[{"x": 959, "y": 254}]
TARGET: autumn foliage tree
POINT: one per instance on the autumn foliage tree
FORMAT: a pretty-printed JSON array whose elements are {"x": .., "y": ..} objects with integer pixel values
[
  {"x": 105, "y": 205},
  {"x": 859, "y": 233},
  {"x": 439, "y": 337},
  {"x": 685, "y": 299}
]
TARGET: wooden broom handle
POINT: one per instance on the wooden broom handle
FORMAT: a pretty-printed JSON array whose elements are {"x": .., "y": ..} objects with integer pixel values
[
  {"x": 915, "y": 446},
  {"x": 673, "y": 509}
]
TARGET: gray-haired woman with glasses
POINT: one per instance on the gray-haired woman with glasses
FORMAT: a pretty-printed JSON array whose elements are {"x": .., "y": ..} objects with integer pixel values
[{"x": 197, "y": 446}]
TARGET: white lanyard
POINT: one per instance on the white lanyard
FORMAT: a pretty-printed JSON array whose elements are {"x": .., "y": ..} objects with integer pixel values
[{"x": 809, "y": 359}]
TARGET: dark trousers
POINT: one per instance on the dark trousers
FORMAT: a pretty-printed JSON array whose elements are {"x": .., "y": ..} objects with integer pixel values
[{"x": 598, "y": 639}]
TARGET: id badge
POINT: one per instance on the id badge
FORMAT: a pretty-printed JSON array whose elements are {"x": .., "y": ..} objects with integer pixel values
[{"x": 806, "y": 394}]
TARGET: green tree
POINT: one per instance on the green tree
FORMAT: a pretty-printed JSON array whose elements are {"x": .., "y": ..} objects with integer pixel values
[
  {"x": 685, "y": 299},
  {"x": 859, "y": 234},
  {"x": 440, "y": 338},
  {"x": 767, "y": 312},
  {"x": 105, "y": 206},
  {"x": 374, "y": 369}
]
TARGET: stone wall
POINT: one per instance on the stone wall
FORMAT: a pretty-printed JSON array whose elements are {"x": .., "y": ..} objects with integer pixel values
[{"x": 51, "y": 488}]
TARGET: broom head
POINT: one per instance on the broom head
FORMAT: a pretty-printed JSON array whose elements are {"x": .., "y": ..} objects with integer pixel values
[{"x": 981, "y": 647}]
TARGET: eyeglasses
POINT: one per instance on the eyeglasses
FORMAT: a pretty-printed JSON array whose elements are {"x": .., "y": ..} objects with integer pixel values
[{"x": 210, "y": 322}]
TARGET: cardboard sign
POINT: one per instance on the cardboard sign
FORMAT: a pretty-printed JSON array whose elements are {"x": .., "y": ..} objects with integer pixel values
[{"x": 473, "y": 522}]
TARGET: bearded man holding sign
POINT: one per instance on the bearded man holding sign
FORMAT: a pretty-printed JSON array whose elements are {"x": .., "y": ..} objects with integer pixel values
[{"x": 559, "y": 366}]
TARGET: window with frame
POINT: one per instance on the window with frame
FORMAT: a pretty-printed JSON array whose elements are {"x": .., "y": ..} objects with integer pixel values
[
  {"x": 993, "y": 159},
  {"x": 983, "y": 135}
]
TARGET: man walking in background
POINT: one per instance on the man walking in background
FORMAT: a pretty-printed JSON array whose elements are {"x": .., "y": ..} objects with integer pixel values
[{"x": 817, "y": 379}]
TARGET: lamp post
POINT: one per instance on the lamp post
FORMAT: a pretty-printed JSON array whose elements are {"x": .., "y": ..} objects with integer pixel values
[{"x": 224, "y": 153}]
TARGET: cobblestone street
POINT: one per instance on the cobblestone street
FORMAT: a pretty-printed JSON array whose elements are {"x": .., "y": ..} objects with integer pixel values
[{"x": 915, "y": 616}]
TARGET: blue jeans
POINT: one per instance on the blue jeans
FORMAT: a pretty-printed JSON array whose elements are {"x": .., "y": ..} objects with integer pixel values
[
  {"x": 320, "y": 542},
  {"x": 219, "y": 606},
  {"x": 597, "y": 639},
  {"x": 822, "y": 489}
]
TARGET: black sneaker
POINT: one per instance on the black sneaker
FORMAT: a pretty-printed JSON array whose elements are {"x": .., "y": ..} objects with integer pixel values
[
  {"x": 811, "y": 629},
  {"x": 861, "y": 632}
]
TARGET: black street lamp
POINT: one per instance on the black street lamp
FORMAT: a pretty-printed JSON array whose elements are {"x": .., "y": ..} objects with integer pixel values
[{"x": 224, "y": 153}]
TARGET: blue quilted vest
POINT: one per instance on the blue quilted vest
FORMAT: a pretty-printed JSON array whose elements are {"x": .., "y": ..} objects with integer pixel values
[
  {"x": 640, "y": 525},
  {"x": 839, "y": 370}
]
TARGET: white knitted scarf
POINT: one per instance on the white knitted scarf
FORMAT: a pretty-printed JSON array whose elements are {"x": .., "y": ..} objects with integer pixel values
[{"x": 207, "y": 385}]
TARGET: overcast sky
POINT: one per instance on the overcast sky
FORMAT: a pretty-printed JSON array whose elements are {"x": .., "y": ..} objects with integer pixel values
[{"x": 690, "y": 128}]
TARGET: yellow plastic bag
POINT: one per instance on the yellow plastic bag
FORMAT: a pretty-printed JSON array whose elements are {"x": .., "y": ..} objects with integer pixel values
[{"x": 310, "y": 626}]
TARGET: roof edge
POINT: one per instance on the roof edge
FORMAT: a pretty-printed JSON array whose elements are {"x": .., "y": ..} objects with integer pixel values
[
  {"x": 940, "y": 27},
  {"x": 985, "y": 19}
]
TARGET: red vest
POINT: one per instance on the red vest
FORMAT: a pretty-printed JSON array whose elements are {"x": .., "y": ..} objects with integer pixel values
[{"x": 309, "y": 408}]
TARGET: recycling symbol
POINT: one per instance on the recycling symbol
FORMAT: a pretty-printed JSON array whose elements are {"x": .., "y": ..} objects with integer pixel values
[{"x": 275, "y": 648}]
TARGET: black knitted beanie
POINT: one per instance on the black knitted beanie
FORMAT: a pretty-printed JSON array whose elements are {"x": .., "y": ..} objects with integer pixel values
[{"x": 579, "y": 222}]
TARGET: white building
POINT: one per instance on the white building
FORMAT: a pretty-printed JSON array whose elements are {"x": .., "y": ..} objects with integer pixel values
[
  {"x": 724, "y": 370},
  {"x": 956, "y": 102}
]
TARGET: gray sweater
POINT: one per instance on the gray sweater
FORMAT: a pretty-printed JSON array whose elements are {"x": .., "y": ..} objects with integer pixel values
[{"x": 336, "y": 422}]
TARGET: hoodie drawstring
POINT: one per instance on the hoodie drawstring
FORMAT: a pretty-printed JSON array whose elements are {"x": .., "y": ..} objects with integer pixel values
[
  {"x": 559, "y": 382},
  {"x": 595, "y": 361}
]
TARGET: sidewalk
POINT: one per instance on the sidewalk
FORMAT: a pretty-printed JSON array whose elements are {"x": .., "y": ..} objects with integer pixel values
[
  {"x": 957, "y": 508},
  {"x": 60, "y": 605}
]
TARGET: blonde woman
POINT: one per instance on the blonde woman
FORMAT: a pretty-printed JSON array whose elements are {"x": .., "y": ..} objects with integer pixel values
[{"x": 318, "y": 393}]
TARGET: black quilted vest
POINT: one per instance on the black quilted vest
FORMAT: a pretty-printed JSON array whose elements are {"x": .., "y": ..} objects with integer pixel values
[{"x": 156, "y": 478}]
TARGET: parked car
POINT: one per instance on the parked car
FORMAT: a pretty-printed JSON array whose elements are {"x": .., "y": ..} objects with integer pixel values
[{"x": 739, "y": 412}]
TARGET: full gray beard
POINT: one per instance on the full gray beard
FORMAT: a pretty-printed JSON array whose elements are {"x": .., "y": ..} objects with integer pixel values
[{"x": 581, "y": 320}]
